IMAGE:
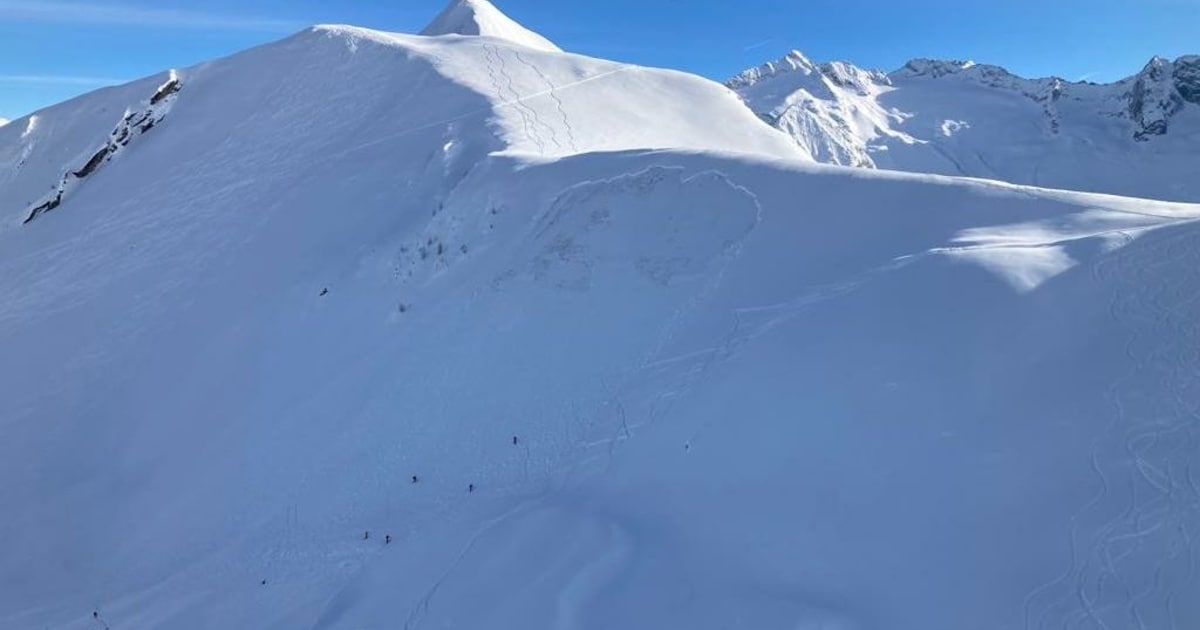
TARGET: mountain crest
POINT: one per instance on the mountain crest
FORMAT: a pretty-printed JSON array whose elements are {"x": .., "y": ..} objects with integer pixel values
[{"x": 482, "y": 18}]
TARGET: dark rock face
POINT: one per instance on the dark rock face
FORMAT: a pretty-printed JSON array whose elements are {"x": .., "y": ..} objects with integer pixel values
[
  {"x": 1187, "y": 78},
  {"x": 131, "y": 125},
  {"x": 1153, "y": 99}
]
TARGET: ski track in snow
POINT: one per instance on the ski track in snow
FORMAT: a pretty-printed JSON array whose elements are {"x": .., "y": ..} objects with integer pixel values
[
  {"x": 529, "y": 118},
  {"x": 558, "y": 104},
  {"x": 612, "y": 410},
  {"x": 1149, "y": 500}
]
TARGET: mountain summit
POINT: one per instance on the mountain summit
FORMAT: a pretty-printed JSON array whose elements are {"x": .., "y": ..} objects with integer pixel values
[{"x": 482, "y": 18}]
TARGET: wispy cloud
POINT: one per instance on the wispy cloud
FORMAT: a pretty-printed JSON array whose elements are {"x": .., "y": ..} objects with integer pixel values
[
  {"x": 53, "y": 79},
  {"x": 765, "y": 42},
  {"x": 97, "y": 13},
  {"x": 1087, "y": 76}
]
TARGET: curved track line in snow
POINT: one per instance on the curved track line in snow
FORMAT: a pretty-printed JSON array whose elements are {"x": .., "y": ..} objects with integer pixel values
[
  {"x": 1132, "y": 551},
  {"x": 476, "y": 112},
  {"x": 558, "y": 104},
  {"x": 495, "y": 70},
  {"x": 533, "y": 115}
]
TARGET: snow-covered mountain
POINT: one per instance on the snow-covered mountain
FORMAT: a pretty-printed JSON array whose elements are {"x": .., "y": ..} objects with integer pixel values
[
  {"x": 368, "y": 330},
  {"x": 1134, "y": 137}
]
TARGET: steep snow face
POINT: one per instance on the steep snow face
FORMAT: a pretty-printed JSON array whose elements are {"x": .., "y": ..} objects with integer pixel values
[
  {"x": 480, "y": 17},
  {"x": 345, "y": 342},
  {"x": 1134, "y": 137}
]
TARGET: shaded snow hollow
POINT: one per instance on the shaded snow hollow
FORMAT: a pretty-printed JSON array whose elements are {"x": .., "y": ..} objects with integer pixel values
[{"x": 593, "y": 346}]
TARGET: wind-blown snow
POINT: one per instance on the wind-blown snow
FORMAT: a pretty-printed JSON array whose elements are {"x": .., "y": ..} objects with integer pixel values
[
  {"x": 479, "y": 17},
  {"x": 1135, "y": 137},
  {"x": 664, "y": 374}
]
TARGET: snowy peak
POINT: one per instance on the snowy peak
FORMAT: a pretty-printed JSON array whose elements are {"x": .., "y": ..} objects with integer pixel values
[
  {"x": 935, "y": 68},
  {"x": 983, "y": 74},
  {"x": 796, "y": 68},
  {"x": 482, "y": 18},
  {"x": 794, "y": 61}
]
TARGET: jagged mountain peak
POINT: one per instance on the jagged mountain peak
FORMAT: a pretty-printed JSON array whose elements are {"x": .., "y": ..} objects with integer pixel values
[
  {"x": 482, "y": 18},
  {"x": 796, "y": 63}
]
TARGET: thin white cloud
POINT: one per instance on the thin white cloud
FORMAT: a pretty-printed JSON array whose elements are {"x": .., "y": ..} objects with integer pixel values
[
  {"x": 1087, "y": 76},
  {"x": 765, "y": 42},
  {"x": 3, "y": 121},
  {"x": 54, "y": 79},
  {"x": 97, "y": 13}
]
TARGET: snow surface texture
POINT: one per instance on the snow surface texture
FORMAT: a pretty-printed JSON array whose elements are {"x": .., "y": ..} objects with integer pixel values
[
  {"x": 1135, "y": 137},
  {"x": 349, "y": 285}
]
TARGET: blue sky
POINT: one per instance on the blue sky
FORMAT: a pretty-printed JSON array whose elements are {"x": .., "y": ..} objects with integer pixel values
[{"x": 51, "y": 50}]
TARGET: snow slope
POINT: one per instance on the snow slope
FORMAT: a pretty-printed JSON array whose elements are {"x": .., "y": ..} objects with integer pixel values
[
  {"x": 696, "y": 383},
  {"x": 1134, "y": 137}
]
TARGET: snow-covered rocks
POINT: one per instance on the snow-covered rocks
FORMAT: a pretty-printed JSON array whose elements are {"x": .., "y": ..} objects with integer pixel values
[{"x": 132, "y": 124}]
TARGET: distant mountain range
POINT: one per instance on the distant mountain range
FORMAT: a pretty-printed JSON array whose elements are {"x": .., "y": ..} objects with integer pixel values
[{"x": 1137, "y": 137}]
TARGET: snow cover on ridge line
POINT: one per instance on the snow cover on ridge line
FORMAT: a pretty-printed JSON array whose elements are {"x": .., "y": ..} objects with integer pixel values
[
  {"x": 460, "y": 98},
  {"x": 3, "y": 121},
  {"x": 1135, "y": 137},
  {"x": 480, "y": 17},
  {"x": 552, "y": 104}
]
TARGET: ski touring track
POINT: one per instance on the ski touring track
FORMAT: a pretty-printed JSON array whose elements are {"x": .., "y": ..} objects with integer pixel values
[
  {"x": 1132, "y": 555},
  {"x": 497, "y": 71},
  {"x": 558, "y": 104}
]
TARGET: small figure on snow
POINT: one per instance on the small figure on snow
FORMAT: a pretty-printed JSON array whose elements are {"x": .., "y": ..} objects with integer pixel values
[
  {"x": 514, "y": 440},
  {"x": 366, "y": 535},
  {"x": 387, "y": 539},
  {"x": 415, "y": 479},
  {"x": 470, "y": 487}
]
